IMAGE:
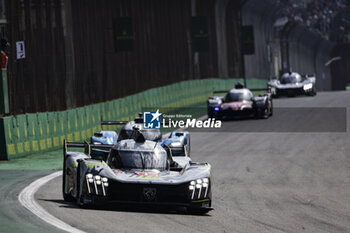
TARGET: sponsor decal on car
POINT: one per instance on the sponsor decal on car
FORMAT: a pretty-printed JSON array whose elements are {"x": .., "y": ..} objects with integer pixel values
[{"x": 147, "y": 175}]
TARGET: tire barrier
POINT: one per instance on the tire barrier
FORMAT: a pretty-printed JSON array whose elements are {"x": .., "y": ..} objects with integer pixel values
[{"x": 39, "y": 132}]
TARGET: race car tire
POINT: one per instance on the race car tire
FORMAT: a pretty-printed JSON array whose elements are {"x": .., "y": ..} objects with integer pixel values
[
  {"x": 314, "y": 92},
  {"x": 218, "y": 116},
  {"x": 67, "y": 197},
  {"x": 267, "y": 111},
  {"x": 210, "y": 114},
  {"x": 275, "y": 96},
  {"x": 79, "y": 197}
]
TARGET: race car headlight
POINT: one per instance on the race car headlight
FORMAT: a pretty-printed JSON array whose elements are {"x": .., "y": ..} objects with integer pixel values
[
  {"x": 216, "y": 109},
  {"x": 199, "y": 188},
  {"x": 175, "y": 144},
  {"x": 97, "y": 185},
  {"x": 307, "y": 86},
  {"x": 97, "y": 143}
]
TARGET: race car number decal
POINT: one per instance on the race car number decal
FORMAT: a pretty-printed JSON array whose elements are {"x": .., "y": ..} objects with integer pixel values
[{"x": 147, "y": 175}]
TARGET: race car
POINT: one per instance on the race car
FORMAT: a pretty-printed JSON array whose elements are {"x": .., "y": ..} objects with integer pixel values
[
  {"x": 105, "y": 137},
  {"x": 239, "y": 103},
  {"x": 136, "y": 171},
  {"x": 293, "y": 84},
  {"x": 178, "y": 141}
]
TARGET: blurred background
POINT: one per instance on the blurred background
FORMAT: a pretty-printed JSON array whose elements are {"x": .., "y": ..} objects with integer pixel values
[{"x": 89, "y": 51}]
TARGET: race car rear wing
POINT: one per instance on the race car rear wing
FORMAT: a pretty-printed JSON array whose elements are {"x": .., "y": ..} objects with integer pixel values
[
  {"x": 253, "y": 89},
  {"x": 260, "y": 89},
  {"x": 87, "y": 147},
  {"x": 138, "y": 119},
  {"x": 220, "y": 91}
]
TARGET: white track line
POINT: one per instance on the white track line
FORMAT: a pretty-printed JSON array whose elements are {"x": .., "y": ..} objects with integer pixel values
[{"x": 26, "y": 198}]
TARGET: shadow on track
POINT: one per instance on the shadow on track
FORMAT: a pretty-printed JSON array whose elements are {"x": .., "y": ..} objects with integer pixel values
[{"x": 133, "y": 208}]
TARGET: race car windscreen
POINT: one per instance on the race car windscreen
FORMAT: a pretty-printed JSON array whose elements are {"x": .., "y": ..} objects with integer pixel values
[
  {"x": 238, "y": 96},
  {"x": 290, "y": 78},
  {"x": 126, "y": 159}
]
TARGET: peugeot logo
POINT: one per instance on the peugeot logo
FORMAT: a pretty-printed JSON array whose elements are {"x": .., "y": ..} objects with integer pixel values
[{"x": 150, "y": 194}]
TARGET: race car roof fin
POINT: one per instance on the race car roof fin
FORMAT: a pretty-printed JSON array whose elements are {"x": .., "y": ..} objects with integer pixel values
[
  {"x": 239, "y": 85},
  {"x": 138, "y": 120},
  {"x": 137, "y": 135}
]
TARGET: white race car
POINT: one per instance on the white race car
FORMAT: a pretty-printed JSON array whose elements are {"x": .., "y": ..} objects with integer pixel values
[{"x": 293, "y": 84}]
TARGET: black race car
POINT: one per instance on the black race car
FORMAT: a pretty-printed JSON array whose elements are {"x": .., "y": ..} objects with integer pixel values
[
  {"x": 240, "y": 102},
  {"x": 293, "y": 84},
  {"x": 136, "y": 171}
]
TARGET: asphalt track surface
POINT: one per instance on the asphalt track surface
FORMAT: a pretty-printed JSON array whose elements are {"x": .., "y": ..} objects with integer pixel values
[
  {"x": 289, "y": 181},
  {"x": 13, "y": 216}
]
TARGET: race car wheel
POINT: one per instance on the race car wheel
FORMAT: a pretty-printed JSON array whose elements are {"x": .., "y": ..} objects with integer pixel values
[
  {"x": 218, "y": 116},
  {"x": 267, "y": 110},
  {"x": 214, "y": 115},
  {"x": 275, "y": 96},
  {"x": 314, "y": 92},
  {"x": 79, "y": 199},
  {"x": 67, "y": 197}
]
